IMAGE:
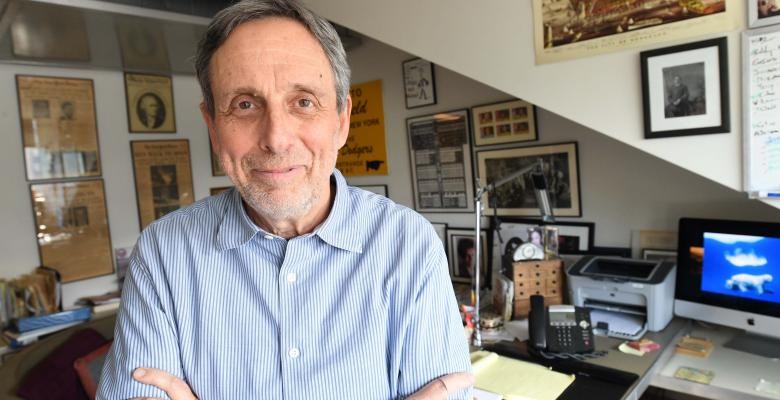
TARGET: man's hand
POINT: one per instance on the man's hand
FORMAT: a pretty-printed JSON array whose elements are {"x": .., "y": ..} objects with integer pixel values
[
  {"x": 177, "y": 389},
  {"x": 172, "y": 385},
  {"x": 443, "y": 386}
]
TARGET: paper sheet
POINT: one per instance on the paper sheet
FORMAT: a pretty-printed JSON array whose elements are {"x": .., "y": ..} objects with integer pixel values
[
  {"x": 515, "y": 379},
  {"x": 618, "y": 322}
]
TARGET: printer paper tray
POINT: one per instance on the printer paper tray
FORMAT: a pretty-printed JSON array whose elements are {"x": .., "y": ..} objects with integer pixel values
[
  {"x": 621, "y": 308},
  {"x": 619, "y": 325}
]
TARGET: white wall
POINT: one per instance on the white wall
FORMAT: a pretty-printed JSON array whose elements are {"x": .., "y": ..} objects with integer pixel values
[
  {"x": 493, "y": 43},
  {"x": 17, "y": 234}
]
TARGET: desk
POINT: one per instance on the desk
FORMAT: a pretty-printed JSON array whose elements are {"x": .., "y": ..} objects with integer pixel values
[{"x": 736, "y": 372}]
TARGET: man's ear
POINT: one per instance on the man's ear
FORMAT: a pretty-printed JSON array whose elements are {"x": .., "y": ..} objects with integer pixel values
[
  {"x": 209, "y": 120},
  {"x": 344, "y": 118}
]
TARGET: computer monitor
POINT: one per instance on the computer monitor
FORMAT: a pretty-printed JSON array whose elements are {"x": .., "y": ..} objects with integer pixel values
[{"x": 728, "y": 273}]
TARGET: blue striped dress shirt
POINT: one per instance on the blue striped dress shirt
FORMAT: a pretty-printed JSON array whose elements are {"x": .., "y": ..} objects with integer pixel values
[{"x": 361, "y": 308}]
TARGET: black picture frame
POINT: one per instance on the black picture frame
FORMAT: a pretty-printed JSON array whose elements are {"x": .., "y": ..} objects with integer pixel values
[
  {"x": 419, "y": 83},
  {"x": 685, "y": 89},
  {"x": 456, "y": 237}
]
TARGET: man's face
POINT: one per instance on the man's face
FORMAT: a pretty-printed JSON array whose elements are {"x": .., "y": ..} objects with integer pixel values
[
  {"x": 150, "y": 106},
  {"x": 276, "y": 127}
]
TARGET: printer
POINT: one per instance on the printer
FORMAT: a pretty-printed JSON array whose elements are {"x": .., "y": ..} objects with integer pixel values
[{"x": 627, "y": 297}]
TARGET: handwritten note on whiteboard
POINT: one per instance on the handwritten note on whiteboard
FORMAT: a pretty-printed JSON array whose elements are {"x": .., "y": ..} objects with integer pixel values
[{"x": 762, "y": 111}]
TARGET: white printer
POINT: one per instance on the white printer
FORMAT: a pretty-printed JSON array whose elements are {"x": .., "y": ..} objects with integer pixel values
[{"x": 627, "y": 297}]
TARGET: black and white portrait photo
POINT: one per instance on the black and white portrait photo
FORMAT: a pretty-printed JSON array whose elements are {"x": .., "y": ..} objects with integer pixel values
[
  {"x": 150, "y": 110},
  {"x": 684, "y": 90}
]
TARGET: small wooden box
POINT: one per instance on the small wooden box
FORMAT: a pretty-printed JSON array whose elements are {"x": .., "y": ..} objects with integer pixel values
[{"x": 545, "y": 278}]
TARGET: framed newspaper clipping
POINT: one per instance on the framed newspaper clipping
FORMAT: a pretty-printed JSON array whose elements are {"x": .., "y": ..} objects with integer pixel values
[
  {"x": 440, "y": 154},
  {"x": 149, "y": 103},
  {"x": 59, "y": 130},
  {"x": 72, "y": 228},
  {"x": 163, "y": 177}
]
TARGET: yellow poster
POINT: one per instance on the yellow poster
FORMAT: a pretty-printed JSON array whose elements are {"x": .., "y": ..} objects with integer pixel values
[{"x": 364, "y": 153}]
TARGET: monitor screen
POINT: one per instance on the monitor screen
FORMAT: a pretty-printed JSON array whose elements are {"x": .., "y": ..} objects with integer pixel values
[{"x": 728, "y": 273}]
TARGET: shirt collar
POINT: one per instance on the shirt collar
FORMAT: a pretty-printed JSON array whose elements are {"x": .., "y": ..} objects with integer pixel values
[{"x": 339, "y": 228}]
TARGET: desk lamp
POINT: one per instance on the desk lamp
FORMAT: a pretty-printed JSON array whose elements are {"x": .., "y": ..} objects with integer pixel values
[{"x": 543, "y": 202}]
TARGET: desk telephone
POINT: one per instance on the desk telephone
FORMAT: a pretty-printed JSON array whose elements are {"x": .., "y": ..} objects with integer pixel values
[{"x": 559, "y": 328}]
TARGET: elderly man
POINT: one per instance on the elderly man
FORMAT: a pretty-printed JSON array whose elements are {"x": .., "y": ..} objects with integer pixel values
[{"x": 293, "y": 285}]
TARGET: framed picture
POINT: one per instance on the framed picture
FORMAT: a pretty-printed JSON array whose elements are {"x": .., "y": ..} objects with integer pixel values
[
  {"x": 149, "y": 103},
  {"x": 59, "y": 129},
  {"x": 72, "y": 228},
  {"x": 572, "y": 237},
  {"x": 378, "y": 189},
  {"x": 460, "y": 252},
  {"x": 506, "y": 122},
  {"x": 517, "y": 197},
  {"x": 142, "y": 44},
  {"x": 217, "y": 190},
  {"x": 685, "y": 89},
  {"x": 440, "y": 154},
  {"x": 419, "y": 83},
  {"x": 441, "y": 230},
  {"x": 163, "y": 177},
  {"x": 659, "y": 255},
  {"x": 763, "y": 12},
  {"x": 48, "y": 31},
  {"x": 216, "y": 165}
]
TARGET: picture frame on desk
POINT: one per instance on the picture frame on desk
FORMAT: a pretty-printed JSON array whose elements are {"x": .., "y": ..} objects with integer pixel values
[
  {"x": 460, "y": 250},
  {"x": 685, "y": 89},
  {"x": 763, "y": 13},
  {"x": 517, "y": 198}
]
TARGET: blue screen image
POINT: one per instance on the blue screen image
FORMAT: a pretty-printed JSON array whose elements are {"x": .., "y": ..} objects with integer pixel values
[{"x": 742, "y": 266}]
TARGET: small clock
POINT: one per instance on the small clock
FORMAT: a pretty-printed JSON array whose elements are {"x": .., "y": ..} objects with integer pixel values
[{"x": 528, "y": 251}]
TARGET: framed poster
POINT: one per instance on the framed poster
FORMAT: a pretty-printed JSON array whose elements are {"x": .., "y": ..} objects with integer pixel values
[
  {"x": 47, "y": 31},
  {"x": 163, "y": 177},
  {"x": 763, "y": 12},
  {"x": 517, "y": 197},
  {"x": 440, "y": 154},
  {"x": 565, "y": 30},
  {"x": 685, "y": 89},
  {"x": 59, "y": 129},
  {"x": 149, "y": 103},
  {"x": 365, "y": 152},
  {"x": 419, "y": 83},
  {"x": 461, "y": 252},
  {"x": 378, "y": 189},
  {"x": 506, "y": 122},
  {"x": 72, "y": 228}
]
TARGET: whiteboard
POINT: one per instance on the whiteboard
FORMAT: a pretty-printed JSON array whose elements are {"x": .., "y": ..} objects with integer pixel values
[{"x": 761, "y": 111}]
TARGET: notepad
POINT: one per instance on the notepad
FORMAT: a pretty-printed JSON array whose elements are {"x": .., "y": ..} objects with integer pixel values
[{"x": 515, "y": 379}]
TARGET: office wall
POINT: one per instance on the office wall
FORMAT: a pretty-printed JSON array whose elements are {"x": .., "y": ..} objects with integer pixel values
[
  {"x": 493, "y": 43},
  {"x": 623, "y": 189}
]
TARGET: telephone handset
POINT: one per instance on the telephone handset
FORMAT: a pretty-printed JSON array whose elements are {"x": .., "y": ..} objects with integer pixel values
[{"x": 559, "y": 328}]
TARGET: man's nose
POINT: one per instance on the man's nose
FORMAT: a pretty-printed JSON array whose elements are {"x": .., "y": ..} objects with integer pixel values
[{"x": 275, "y": 132}]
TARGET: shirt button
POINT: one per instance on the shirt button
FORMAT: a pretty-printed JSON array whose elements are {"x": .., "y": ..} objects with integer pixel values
[
  {"x": 269, "y": 237},
  {"x": 291, "y": 277},
  {"x": 294, "y": 352}
]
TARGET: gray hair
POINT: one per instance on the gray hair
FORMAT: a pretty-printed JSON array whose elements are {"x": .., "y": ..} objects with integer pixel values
[{"x": 231, "y": 17}]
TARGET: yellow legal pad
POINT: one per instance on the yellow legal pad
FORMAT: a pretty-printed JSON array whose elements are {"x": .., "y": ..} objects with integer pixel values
[{"x": 515, "y": 379}]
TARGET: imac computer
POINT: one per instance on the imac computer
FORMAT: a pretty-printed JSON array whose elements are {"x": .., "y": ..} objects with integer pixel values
[{"x": 728, "y": 273}]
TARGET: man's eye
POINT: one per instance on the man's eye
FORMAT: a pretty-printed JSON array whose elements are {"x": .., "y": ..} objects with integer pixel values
[
  {"x": 305, "y": 103},
  {"x": 244, "y": 105}
]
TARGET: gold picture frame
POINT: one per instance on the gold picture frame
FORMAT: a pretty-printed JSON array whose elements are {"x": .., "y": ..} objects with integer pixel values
[
  {"x": 149, "y": 101},
  {"x": 72, "y": 228},
  {"x": 163, "y": 177},
  {"x": 59, "y": 128},
  {"x": 505, "y": 122}
]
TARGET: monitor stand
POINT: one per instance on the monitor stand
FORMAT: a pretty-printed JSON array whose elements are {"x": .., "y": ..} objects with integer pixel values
[{"x": 760, "y": 345}]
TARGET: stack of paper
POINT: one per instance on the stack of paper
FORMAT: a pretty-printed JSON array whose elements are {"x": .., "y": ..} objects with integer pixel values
[{"x": 515, "y": 379}]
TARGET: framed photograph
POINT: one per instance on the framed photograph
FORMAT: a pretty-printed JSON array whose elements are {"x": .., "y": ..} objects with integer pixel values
[
  {"x": 685, "y": 89},
  {"x": 142, "y": 44},
  {"x": 59, "y": 129},
  {"x": 48, "y": 31},
  {"x": 517, "y": 197},
  {"x": 440, "y": 154},
  {"x": 441, "y": 230},
  {"x": 217, "y": 190},
  {"x": 572, "y": 237},
  {"x": 460, "y": 252},
  {"x": 378, "y": 189},
  {"x": 163, "y": 177},
  {"x": 659, "y": 255},
  {"x": 149, "y": 103},
  {"x": 71, "y": 225},
  {"x": 419, "y": 83},
  {"x": 763, "y": 12},
  {"x": 506, "y": 122}
]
